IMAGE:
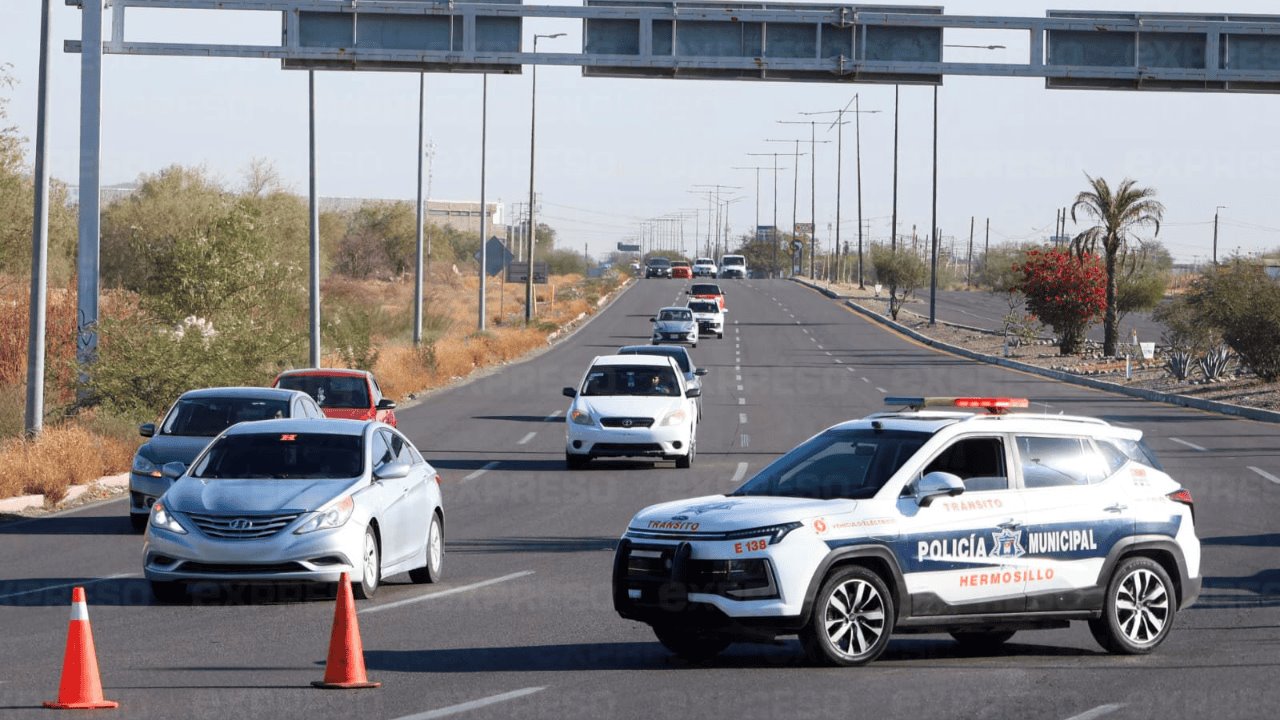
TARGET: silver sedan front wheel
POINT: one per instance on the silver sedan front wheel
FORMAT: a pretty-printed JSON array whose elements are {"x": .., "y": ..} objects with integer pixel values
[
  {"x": 370, "y": 567},
  {"x": 432, "y": 571}
]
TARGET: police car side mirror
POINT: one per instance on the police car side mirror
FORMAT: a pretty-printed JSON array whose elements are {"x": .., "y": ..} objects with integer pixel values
[{"x": 937, "y": 484}]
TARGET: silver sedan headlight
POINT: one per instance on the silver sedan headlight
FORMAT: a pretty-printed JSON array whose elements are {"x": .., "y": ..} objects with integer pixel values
[
  {"x": 335, "y": 516},
  {"x": 161, "y": 518}
]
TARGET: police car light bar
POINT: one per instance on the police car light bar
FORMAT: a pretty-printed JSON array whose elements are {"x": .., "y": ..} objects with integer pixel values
[{"x": 990, "y": 404}]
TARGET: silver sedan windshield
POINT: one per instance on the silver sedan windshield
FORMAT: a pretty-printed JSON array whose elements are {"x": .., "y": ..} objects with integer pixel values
[{"x": 282, "y": 456}]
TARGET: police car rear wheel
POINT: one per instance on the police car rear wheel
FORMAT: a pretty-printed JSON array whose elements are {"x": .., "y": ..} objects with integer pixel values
[
  {"x": 852, "y": 619},
  {"x": 691, "y": 645},
  {"x": 1139, "y": 608},
  {"x": 984, "y": 640}
]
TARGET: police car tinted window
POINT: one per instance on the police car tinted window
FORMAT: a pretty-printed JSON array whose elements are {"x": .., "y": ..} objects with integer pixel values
[
  {"x": 1058, "y": 461},
  {"x": 837, "y": 464},
  {"x": 1139, "y": 451},
  {"x": 1113, "y": 456}
]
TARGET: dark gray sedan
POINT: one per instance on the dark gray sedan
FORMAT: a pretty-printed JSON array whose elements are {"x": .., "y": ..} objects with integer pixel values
[{"x": 195, "y": 419}]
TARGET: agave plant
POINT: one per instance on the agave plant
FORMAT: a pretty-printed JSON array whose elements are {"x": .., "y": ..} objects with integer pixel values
[
  {"x": 1215, "y": 361},
  {"x": 1178, "y": 363}
]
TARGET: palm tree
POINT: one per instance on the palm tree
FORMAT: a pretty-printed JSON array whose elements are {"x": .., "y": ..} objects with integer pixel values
[{"x": 1117, "y": 213}]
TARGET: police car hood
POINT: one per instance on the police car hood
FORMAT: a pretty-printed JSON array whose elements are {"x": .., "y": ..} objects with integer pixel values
[{"x": 721, "y": 513}]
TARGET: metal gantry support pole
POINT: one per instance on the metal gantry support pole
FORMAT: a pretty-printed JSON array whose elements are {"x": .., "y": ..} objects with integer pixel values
[
  {"x": 893, "y": 233},
  {"x": 933, "y": 267},
  {"x": 418, "y": 234},
  {"x": 533, "y": 226},
  {"x": 857, "y": 138},
  {"x": 34, "y": 420},
  {"x": 484, "y": 215},
  {"x": 90, "y": 194},
  {"x": 313, "y": 280}
]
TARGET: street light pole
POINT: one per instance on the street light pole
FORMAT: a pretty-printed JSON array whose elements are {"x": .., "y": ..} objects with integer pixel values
[
  {"x": 933, "y": 268},
  {"x": 484, "y": 261},
  {"x": 893, "y": 233},
  {"x": 838, "y": 124},
  {"x": 417, "y": 220},
  {"x": 533, "y": 226},
  {"x": 1215, "y": 232}
]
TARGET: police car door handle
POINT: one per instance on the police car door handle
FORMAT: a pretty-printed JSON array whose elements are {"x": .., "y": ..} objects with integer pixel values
[{"x": 1117, "y": 508}]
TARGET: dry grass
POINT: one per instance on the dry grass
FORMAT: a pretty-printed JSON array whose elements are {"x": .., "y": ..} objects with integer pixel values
[{"x": 60, "y": 457}]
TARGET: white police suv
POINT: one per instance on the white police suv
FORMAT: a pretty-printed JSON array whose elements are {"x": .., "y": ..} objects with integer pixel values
[{"x": 979, "y": 524}]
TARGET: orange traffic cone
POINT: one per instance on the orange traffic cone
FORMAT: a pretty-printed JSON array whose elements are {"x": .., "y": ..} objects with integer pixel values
[
  {"x": 81, "y": 688},
  {"x": 345, "y": 666}
]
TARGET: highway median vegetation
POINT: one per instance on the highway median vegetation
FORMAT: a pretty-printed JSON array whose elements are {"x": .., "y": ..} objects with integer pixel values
[{"x": 205, "y": 285}]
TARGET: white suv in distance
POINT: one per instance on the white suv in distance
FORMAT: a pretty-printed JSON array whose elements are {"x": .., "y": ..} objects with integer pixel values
[
  {"x": 709, "y": 316},
  {"x": 704, "y": 267},
  {"x": 913, "y": 521},
  {"x": 733, "y": 266},
  {"x": 632, "y": 406}
]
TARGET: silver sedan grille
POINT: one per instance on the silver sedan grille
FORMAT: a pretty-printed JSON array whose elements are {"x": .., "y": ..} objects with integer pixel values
[{"x": 241, "y": 527}]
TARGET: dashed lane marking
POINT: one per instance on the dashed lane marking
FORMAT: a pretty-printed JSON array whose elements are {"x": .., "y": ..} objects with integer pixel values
[
  {"x": 866, "y": 381},
  {"x": 745, "y": 440},
  {"x": 553, "y": 416},
  {"x": 525, "y": 440},
  {"x": 881, "y": 390},
  {"x": 473, "y": 705},
  {"x": 1265, "y": 474},
  {"x": 742, "y": 418},
  {"x": 486, "y": 468},
  {"x": 1097, "y": 712},
  {"x": 737, "y": 378},
  {"x": 838, "y": 361},
  {"x": 1191, "y": 445},
  {"x": 78, "y": 583},
  {"x": 740, "y": 473},
  {"x": 828, "y": 351},
  {"x": 445, "y": 593},
  {"x": 742, "y": 401},
  {"x": 739, "y": 388}
]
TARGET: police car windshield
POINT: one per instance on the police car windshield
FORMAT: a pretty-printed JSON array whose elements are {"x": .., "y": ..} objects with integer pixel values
[{"x": 837, "y": 464}]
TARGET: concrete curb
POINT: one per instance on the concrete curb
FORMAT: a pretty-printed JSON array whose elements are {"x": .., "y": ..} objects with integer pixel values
[
  {"x": 18, "y": 504},
  {"x": 1249, "y": 413}
]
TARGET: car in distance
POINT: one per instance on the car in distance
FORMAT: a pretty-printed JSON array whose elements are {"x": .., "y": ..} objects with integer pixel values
[
  {"x": 733, "y": 267},
  {"x": 684, "y": 361},
  {"x": 298, "y": 501},
  {"x": 657, "y": 267},
  {"x": 704, "y": 267},
  {"x": 193, "y": 420},
  {"x": 709, "y": 316},
  {"x": 909, "y": 521},
  {"x": 708, "y": 291},
  {"x": 680, "y": 269},
  {"x": 632, "y": 406},
  {"x": 674, "y": 325},
  {"x": 341, "y": 393}
]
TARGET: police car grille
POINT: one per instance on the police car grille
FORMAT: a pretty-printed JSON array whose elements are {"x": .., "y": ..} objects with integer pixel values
[
  {"x": 242, "y": 527},
  {"x": 650, "y": 564},
  {"x": 640, "y": 422}
]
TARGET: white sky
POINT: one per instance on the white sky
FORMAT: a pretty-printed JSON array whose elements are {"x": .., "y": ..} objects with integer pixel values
[{"x": 612, "y": 152}]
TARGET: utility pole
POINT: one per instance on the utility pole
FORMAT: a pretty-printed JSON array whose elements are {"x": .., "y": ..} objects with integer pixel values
[
  {"x": 795, "y": 188},
  {"x": 813, "y": 185},
  {"x": 34, "y": 421},
  {"x": 418, "y": 215},
  {"x": 713, "y": 192},
  {"x": 484, "y": 132},
  {"x": 775, "y": 203},
  {"x": 1215, "y": 232},
  {"x": 968, "y": 273},
  {"x": 933, "y": 278}
]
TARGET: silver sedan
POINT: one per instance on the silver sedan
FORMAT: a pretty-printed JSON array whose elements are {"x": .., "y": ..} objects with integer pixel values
[{"x": 298, "y": 500}]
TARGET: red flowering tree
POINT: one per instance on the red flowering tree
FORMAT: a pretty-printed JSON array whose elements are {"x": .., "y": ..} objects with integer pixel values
[{"x": 1065, "y": 291}]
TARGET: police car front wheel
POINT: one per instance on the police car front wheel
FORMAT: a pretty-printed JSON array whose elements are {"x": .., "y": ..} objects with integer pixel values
[
  {"x": 1139, "y": 608},
  {"x": 852, "y": 619}
]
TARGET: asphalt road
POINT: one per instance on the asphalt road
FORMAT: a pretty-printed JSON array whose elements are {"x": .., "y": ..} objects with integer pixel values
[
  {"x": 987, "y": 310},
  {"x": 523, "y": 625}
]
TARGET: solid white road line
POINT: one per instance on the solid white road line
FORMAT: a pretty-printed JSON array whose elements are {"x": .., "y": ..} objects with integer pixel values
[
  {"x": 1191, "y": 445},
  {"x": 473, "y": 705},
  {"x": 78, "y": 583},
  {"x": 1097, "y": 712},
  {"x": 525, "y": 440},
  {"x": 742, "y": 418},
  {"x": 487, "y": 467},
  {"x": 446, "y": 593},
  {"x": 740, "y": 473},
  {"x": 1265, "y": 474}
]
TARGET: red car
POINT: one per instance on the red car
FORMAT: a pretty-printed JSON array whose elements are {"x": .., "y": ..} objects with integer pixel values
[
  {"x": 681, "y": 269},
  {"x": 707, "y": 291},
  {"x": 341, "y": 393}
]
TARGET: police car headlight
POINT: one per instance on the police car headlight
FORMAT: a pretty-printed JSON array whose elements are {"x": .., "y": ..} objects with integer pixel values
[
  {"x": 675, "y": 417},
  {"x": 775, "y": 533},
  {"x": 161, "y": 518},
  {"x": 580, "y": 417}
]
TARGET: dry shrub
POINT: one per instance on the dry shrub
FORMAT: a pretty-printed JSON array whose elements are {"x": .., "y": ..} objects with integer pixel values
[{"x": 60, "y": 457}]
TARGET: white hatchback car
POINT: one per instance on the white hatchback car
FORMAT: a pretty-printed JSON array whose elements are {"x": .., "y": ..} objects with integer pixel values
[
  {"x": 632, "y": 406},
  {"x": 978, "y": 525}
]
